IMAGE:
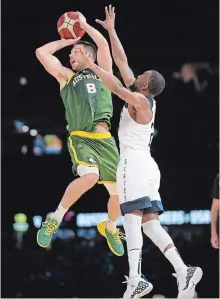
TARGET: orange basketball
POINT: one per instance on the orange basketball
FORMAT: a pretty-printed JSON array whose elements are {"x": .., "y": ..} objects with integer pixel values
[{"x": 68, "y": 26}]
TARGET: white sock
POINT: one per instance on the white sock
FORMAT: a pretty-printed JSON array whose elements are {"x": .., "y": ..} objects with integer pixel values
[
  {"x": 175, "y": 259},
  {"x": 134, "y": 238},
  {"x": 162, "y": 240},
  {"x": 59, "y": 213},
  {"x": 111, "y": 225}
]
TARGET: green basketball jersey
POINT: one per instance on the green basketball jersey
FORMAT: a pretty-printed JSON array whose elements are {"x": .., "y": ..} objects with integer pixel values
[{"x": 87, "y": 101}]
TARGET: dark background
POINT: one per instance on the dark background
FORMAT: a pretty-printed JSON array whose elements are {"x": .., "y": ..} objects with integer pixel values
[{"x": 161, "y": 35}]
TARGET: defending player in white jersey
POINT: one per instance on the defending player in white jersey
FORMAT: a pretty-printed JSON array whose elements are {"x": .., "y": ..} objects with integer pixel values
[{"x": 138, "y": 175}]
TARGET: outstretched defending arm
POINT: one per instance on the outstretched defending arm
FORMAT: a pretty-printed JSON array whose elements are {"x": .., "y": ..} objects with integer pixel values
[
  {"x": 118, "y": 52},
  {"x": 115, "y": 86},
  {"x": 52, "y": 65},
  {"x": 103, "y": 54}
]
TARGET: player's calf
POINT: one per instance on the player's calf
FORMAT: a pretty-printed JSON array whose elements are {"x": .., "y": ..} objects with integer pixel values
[
  {"x": 137, "y": 285},
  {"x": 73, "y": 192},
  {"x": 153, "y": 230},
  {"x": 187, "y": 277},
  {"x": 113, "y": 213}
]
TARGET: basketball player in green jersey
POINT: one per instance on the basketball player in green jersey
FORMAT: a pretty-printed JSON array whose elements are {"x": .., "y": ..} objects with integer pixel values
[{"x": 88, "y": 107}]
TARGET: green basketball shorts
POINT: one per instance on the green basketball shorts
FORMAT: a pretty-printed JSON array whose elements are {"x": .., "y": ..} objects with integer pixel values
[{"x": 95, "y": 149}]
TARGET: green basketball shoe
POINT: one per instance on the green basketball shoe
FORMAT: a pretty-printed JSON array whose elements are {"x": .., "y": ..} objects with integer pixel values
[
  {"x": 113, "y": 239},
  {"x": 45, "y": 234}
]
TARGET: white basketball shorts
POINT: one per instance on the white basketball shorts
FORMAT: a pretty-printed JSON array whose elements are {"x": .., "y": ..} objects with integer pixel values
[{"x": 138, "y": 182}]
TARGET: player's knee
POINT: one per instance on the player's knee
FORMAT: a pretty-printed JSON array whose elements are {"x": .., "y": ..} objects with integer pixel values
[
  {"x": 90, "y": 179},
  {"x": 157, "y": 234},
  {"x": 150, "y": 216},
  {"x": 90, "y": 175},
  {"x": 136, "y": 213}
]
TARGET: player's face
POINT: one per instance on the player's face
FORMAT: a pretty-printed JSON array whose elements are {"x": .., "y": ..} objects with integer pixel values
[
  {"x": 76, "y": 59},
  {"x": 142, "y": 80}
]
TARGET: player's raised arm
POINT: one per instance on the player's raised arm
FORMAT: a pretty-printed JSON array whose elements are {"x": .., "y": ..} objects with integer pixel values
[
  {"x": 114, "y": 85},
  {"x": 52, "y": 65},
  {"x": 103, "y": 54},
  {"x": 118, "y": 52}
]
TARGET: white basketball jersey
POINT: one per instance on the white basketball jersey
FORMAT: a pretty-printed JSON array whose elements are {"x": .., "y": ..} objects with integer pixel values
[{"x": 133, "y": 135}]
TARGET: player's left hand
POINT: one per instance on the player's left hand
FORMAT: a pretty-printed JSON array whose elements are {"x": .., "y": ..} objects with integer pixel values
[
  {"x": 109, "y": 22},
  {"x": 214, "y": 240},
  {"x": 82, "y": 20}
]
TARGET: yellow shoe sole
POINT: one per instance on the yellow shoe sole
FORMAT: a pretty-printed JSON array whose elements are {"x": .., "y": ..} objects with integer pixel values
[{"x": 101, "y": 229}]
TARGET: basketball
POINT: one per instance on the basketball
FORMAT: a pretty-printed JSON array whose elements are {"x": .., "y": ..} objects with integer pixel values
[{"x": 68, "y": 26}]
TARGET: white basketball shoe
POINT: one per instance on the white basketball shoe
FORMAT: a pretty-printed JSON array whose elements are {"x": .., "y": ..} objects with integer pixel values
[
  {"x": 137, "y": 287},
  {"x": 187, "y": 280}
]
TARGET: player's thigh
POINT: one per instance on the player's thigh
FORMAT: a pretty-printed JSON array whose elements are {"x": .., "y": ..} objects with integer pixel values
[
  {"x": 156, "y": 207},
  {"x": 84, "y": 158},
  {"x": 154, "y": 180},
  {"x": 133, "y": 176},
  {"x": 138, "y": 182},
  {"x": 133, "y": 184}
]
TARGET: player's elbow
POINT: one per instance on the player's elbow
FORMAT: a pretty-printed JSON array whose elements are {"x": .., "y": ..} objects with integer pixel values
[
  {"x": 118, "y": 90},
  {"x": 39, "y": 54},
  {"x": 103, "y": 43},
  {"x": 120, "y": 61}
]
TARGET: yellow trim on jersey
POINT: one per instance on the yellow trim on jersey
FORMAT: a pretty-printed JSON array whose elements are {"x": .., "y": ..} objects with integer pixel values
[
  {"x": 93, "y": 135},
  {"x": 69, "y": 79},
  {"x": 76, "y": 158},
  {"x": 106, "y": 182}
]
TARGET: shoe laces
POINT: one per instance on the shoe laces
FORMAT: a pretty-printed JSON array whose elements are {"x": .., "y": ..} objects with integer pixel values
[
  {"x": 51, "y": 227},
  {"x": 122, "y": 236},
  {"x": 118, "y": 236}
]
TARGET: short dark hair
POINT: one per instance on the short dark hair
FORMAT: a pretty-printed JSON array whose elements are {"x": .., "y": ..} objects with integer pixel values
[
  {"x": 88, "y": 45},
  {"x": 156, "y": 83}
]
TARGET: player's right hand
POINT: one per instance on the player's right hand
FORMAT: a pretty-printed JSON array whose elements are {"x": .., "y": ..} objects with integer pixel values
[
  {"x": 214, "y": 240},
  {"x": 109, "y": 22},
  {"x": 82, "y": 20}
]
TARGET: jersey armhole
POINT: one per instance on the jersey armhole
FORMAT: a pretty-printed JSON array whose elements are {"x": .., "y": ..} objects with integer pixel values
[{"x": 69, "y": 79}]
